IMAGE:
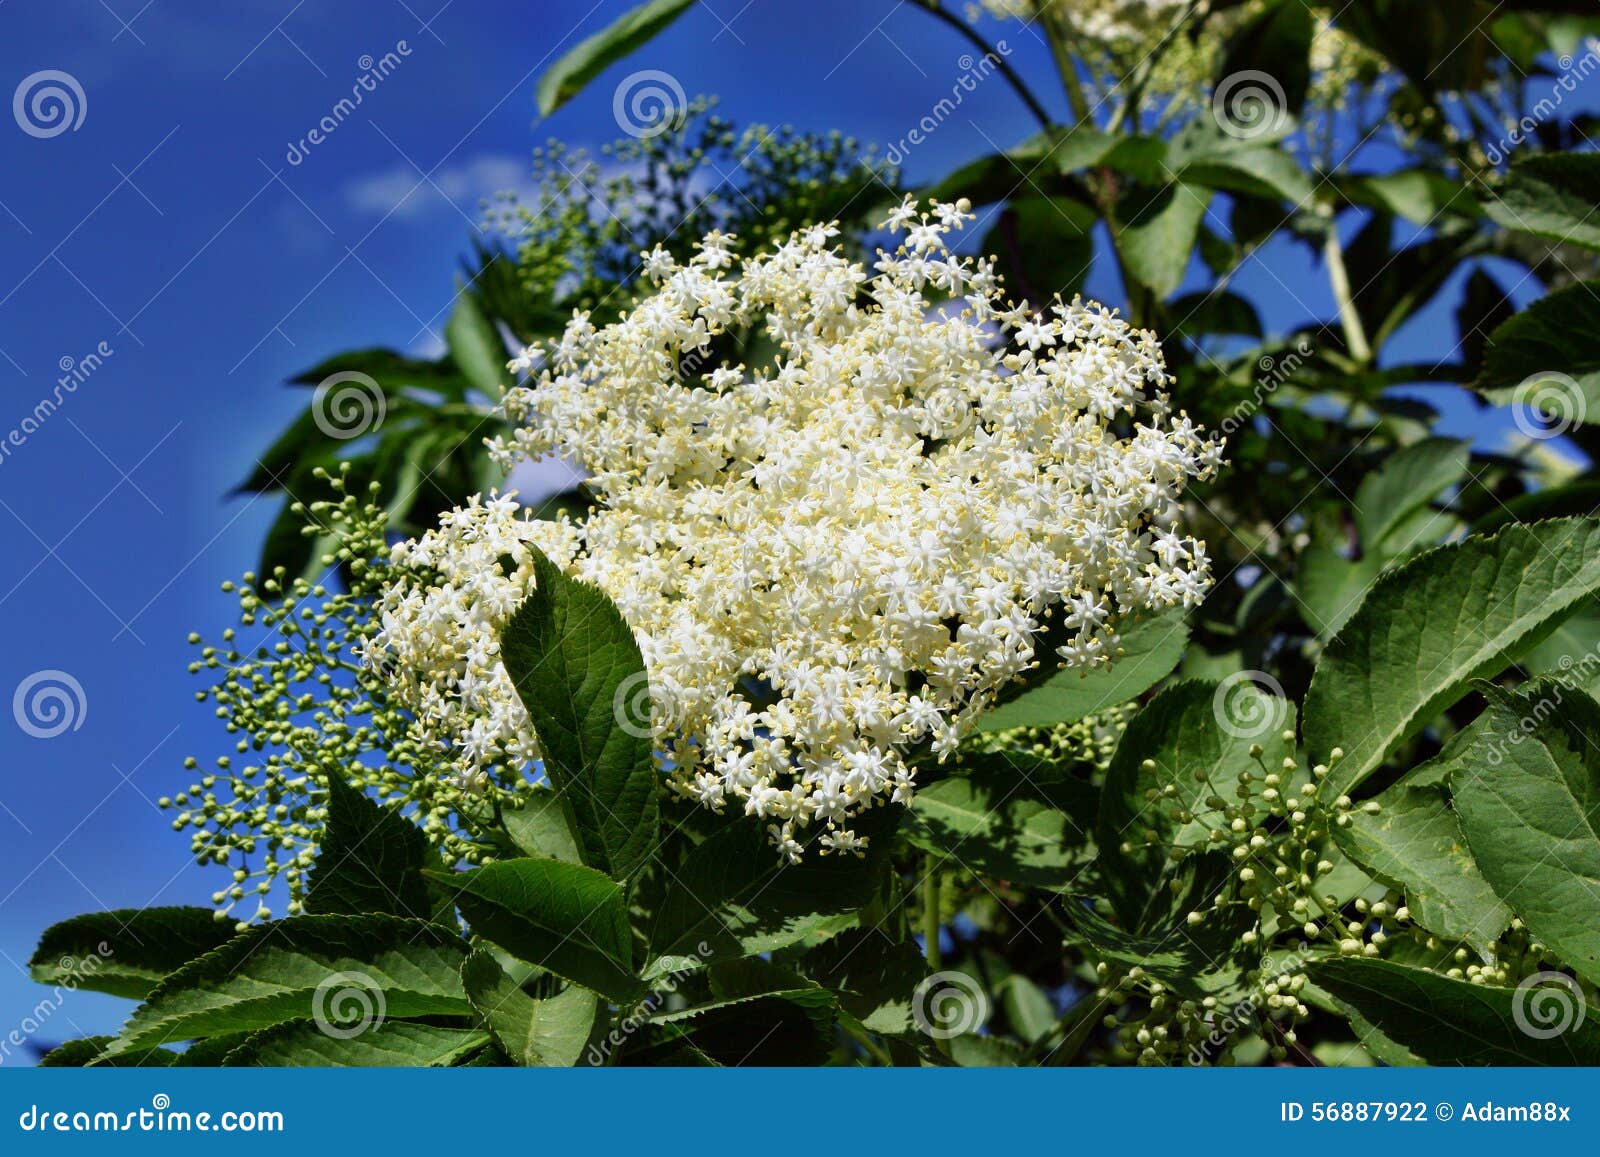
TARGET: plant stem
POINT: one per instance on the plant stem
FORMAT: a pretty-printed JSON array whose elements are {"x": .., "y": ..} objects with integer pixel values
[
  {"x": 1355, "y": 335},
  {"x": 930, "y": 911},
  {"x": 936, "y": 10}
]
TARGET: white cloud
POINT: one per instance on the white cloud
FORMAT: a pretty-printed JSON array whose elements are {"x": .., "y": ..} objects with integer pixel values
[{"x": 402, "y": 192}]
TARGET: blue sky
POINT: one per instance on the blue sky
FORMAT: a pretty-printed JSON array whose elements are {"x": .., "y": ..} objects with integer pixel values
[{"x": 169, "y": 232}]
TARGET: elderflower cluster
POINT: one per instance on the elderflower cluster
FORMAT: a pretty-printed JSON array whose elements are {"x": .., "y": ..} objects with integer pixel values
[{"x": 835, "y": 558}]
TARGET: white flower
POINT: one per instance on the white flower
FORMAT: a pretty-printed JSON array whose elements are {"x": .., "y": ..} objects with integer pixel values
[{"x": 833, "y": 560}]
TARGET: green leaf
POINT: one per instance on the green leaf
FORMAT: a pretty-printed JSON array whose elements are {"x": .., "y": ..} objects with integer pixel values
[
  {"x": 1420, "y": 195},
  {"x": 389, "y": 1044},
  {"x": 1546, "y": 359},
  {"x": 1452, "y": 1022},
  {"x": 77, "y": 1054},
  {"x": 338, "y": 967},
  {"x": 1406, "y": 482},
  {"x": 1022, "y": 169},
  {"x": 1194, "y": 962},
  {"x": 568, "y": 76},
  {"x": 1044, "y": 246},
  {"x": 477, "y": 348},
  {"x": 566, "y": 918},
  {"x": 125, "y": 951},
  {"x": 1528, "y": 795},
  {"x": 874, "y": 976},
  {"x": 1202, "y": 153},
  {"x": 734, "y": 896},
  {"x": 1028, "y": 1010},
  {"x": 538, "y": 826},
  {"x": 371, "y": 860},
  {"x": 1191, "y": 728},
  {"x": 1008, "y": 816},
  {"x": 1427, "y": 628},
  {"x": 1151, "y": 647},
  {"x": 1159, "y": 236},
  {"x": 1552, "y": 196},
  {"x": 551, "y": 1032},
  {"x": 1203, "y": 312},
  {"x": 1415, "y": 845},
  {"x": 754, "y": 1028},
  {"x": 579, "y": 673},
  {"x": 1275, "y": 42}
]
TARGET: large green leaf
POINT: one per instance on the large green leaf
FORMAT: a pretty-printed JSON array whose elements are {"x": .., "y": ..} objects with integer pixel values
[
  {"x": 1151, "y": 647},
  {"x": 566, "y": 918},
  {"x": 567, "y": 77},
  {"x": 1455, "y": 1022},
  {"x": 126, "y": 951},
  {"x": 371, "y": 860},
  {"x": 1010, "y": 816},
  {"x": 335, "y": 967},
  {"x": 1546, "y": 359},
  {"x": 1553, "y": 196},
  {"x": 1415, "y": 844},
  {"x": 1158, "y": 238},
  {"x": 579, "y": 673},
  {"x": 550, "y": 1032},
  {"x": 1427, "y": 628},
  {"x": 734, "y": 896},
  {"x": 1528, "y": 794},
  {"x": 390, "y": 1044}
]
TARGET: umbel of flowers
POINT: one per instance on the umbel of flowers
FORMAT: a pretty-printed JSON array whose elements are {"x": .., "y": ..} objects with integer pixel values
[{"x": 835, "y": 561}]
